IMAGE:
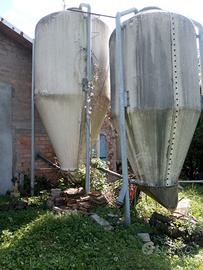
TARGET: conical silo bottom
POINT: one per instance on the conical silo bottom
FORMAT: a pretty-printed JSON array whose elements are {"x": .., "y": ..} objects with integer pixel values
[{"x": 166, "y": 196}]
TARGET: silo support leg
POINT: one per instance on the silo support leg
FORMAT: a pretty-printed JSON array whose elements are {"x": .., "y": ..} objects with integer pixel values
[
  {"x": 32, "y": 177},
  {"x": 120, "y": 83},
  {"x": 87, "y": 92}
]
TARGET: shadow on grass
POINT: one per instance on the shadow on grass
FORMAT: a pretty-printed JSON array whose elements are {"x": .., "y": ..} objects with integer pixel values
[
  {"x": 14, "y": 219},
  {"x": 74, "y": 242}
]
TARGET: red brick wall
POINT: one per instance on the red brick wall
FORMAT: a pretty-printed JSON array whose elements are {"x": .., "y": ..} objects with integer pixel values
[
  {"x": 16, "y": 70},
  {"x": 43, "y": 146}
]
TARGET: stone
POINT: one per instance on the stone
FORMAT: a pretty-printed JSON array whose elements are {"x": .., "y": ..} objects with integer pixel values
[
  {"x": 57, "y": 210},
  {"x": 112, "y": 215},
  {"x": 85, "y": 205},
  {"x": 145, "y": 237},
  {"x": 99, "y": 200},
  {"x": 84, "y": 199},
  {"x": 183, "y": 207},
  {"x": 50, "y": 203},
  {"x": 55, "y": 192},
  {"x": 148, "y": 248},
  {"x": 74, "y": 192},
  {"x": 101, "y": 221},
  {"x": 59, "y": 201}
]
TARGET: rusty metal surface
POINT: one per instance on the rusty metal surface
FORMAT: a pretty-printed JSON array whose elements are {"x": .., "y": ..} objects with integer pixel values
[{"x": 161, "y": 76}]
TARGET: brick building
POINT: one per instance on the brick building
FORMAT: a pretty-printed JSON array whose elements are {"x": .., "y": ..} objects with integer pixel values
[{"x": 15, "y": 113}]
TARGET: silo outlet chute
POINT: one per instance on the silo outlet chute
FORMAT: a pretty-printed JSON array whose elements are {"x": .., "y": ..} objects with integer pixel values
[
  {"x": 161, "y": 80},
  {"x": 60, "y": 66}
]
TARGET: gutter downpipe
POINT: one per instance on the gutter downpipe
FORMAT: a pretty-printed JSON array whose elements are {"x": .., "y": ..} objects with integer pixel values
[
  {"x": 200, "y": 38},
  {"x": 124, "y": 193},
  {"x": 87, "y": 92},
  {"x": 32, "y": 180},
  {"x": 201, "y": 53}
]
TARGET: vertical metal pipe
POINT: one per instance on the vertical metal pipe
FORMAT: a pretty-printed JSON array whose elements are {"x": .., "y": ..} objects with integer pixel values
[
  {"x": 200, "y": 28},
  {"x": 98, "y": 147},
  {"x": 120, "y": 81},
  {"x": 200, "y": 39},
  {"x": 119, "y": 59},
  {"x": 32, "y": 182},
  {"x": 87, "y": 94}
]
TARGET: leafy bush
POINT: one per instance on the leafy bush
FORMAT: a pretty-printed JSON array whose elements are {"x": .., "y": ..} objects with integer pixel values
[{"x": 98, "y": 178}]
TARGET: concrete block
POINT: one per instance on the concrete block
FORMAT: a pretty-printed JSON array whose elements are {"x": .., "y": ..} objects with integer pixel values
[{"x": 101, "y": 221}]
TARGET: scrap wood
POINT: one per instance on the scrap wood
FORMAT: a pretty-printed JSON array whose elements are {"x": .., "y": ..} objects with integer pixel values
[
  {"x": 75, "y": 198},
  {"x": 73, "y": 192},
  {"x": 167, "y": 225}
]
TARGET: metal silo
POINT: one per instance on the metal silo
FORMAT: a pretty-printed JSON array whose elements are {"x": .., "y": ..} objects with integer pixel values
[
  {"x": 162, "y": 94},
  {"x": 60, "y": 70}
]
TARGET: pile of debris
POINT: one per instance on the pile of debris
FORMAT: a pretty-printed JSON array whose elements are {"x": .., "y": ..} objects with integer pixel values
[
  {"x": 185, "y": 227},
  {"x": 75, "y": 199}
]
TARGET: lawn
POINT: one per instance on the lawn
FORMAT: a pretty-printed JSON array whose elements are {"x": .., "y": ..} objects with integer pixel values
[{"x": 35, "y": 238}]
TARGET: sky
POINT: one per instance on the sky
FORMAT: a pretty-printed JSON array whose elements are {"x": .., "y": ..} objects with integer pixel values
[{"x": 24, "y": 14}]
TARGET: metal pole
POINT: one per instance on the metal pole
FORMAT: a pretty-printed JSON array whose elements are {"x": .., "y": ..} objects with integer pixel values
[
  {"x": 32, "y": 182},
  {"x": 87, "y": 93},
  {"x": 120, "y": 82},
  {"x": 190, "y": 181},
  {"x": 200, "y": 28},
  {"x": 200, "y": 39}
]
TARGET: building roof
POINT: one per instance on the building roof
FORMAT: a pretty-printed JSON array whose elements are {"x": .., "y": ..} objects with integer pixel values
[{"x": 15, "y": 34}]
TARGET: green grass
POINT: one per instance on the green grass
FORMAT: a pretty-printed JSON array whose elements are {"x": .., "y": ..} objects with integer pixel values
[
  {"x": 178, "y": 259},
  {"x": 4, "y": 199},
  {"x": 37, "y": 239},
  {"x": 195, "y": 194}
]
